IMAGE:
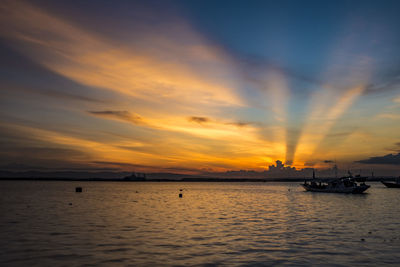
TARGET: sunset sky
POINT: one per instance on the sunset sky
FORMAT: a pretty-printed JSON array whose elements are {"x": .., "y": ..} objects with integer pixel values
[{"x": 194, "y": 86}]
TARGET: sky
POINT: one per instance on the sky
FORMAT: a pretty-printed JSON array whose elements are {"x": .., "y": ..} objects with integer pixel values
[{"x": 200, "y": 86}]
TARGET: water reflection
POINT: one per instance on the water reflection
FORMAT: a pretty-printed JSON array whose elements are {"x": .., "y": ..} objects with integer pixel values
[{"x": 213, "y": 223}]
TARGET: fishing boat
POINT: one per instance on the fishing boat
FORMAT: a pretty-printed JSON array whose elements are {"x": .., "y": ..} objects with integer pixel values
[
  {"x": 392, "y": 185},
  {"x": 348, "y": 185}
]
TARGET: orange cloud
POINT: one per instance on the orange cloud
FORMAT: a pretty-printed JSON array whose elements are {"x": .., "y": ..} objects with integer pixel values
[
  {"x": 160, "y": 70},
  {"x": 119, "y": 115},
  {"x": 157, "y": 71},
  {"x": 182, "y": 78}
]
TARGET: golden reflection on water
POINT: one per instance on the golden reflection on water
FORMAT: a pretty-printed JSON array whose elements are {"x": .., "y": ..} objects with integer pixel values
[{"x": 213, "y": 223}]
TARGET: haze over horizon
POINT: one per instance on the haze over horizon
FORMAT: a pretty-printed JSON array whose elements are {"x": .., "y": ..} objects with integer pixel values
[{"x": 200, "y": 86}]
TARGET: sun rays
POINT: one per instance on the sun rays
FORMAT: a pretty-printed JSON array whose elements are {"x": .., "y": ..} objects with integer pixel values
[{"x": 182, "y": 99}]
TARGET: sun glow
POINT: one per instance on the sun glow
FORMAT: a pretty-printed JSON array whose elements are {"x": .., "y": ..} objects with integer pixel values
[{"x": 171, "y": 96}]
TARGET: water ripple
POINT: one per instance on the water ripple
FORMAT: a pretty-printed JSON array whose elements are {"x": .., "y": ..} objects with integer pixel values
[{"x": 227, "y": 224}]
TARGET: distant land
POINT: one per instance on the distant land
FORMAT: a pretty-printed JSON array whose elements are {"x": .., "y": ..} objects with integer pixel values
[
  {"x": 278, "y": 172},
  {"x": 150, "y": 177}
]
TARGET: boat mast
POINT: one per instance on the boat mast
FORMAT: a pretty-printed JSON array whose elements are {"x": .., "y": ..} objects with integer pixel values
[{"x": 336, "y": 170}]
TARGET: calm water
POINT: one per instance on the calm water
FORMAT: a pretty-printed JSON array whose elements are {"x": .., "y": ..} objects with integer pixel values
[{"x": 144, "y": 224}]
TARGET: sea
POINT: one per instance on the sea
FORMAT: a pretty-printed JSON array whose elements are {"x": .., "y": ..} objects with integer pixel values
[{"x": 46, "y": 223}]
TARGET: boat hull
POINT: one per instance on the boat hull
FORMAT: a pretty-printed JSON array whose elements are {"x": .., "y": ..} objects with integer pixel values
[
  {"x": 391, "y": 185},
  {"x": 346, "y": 190}
]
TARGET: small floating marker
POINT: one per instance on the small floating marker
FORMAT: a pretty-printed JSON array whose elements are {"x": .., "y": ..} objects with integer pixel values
[
  {"x": 181, "y": 190},
  {"x": 137, "y": 191},
  {"x": 369, "y": 232},
  {"x": 70, "y": 204},
  {"x": 180, "y": 195},
  {"x": 78, "y": 189},
  {"x": 362, "y": 239}
]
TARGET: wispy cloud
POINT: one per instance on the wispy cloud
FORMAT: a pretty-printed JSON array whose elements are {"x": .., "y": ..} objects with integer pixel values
[
  {"x": 192, "y": 126},
  {"x": 184, "y": 101},
  {"x": 122, "y": 115},
  {"x": 199, "y": 120},
  {"x": 158, "y": 72},
  {"x": 394, "y": 148},
  {"x": 210, "y": 121},
  {"x": 50, "y": 93},
  {"x": 390, "y": 84},
  {"x": 390, "y": 116},
  {"x": 239, "y": 124},
  {"x": 167, "y": 69}
]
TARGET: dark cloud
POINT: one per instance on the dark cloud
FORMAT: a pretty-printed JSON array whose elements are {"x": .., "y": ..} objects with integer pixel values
[
  {"x": 119, "y": 115},
  {"x": 199, "y": 120},
  {"x": 50, "y": 93},
  {"x": 395, "y": 148},
  {"x": 391, "y": 84},
  {"x": 65, "y": 95},
  {"x": 239, "y": 124},
  {"x": 203, "y": 120},
  {"x": 389, "y": 159}
]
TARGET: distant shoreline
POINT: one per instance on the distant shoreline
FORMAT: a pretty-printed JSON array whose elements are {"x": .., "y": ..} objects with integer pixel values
[
  {"x": 155, "y": 180},
  {"x": 200, "y": 179}
]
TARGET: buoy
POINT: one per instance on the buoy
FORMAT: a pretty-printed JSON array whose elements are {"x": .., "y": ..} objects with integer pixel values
[
  {"x": 70, "y": 204},
  {"x": 181, "y": 190},
  {"x": 180, "y": 195},
  {"x": 78, "y": 189},
  {"x": 362, "y": 239}
]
